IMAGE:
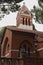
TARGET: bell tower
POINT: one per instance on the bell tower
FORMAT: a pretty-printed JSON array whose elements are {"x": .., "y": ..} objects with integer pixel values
[{"x": 24, "y": 18}]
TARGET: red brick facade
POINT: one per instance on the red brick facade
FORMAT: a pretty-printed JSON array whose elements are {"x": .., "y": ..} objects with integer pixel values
[
  {"x": 21, "y": 43},
  {"x": 25, "y": 14}
]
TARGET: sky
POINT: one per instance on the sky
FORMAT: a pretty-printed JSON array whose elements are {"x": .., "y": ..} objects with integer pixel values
[
  {"x": 29, "y": 3},
  {"x": 10, "y": 20}
]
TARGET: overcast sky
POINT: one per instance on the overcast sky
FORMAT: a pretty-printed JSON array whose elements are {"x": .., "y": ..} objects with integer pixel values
[
  {"x": 11, "y": 18},
  {"x": 29, "y": 3}
]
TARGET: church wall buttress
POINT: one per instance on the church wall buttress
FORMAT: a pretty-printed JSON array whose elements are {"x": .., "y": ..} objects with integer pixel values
[{"x": 6, "y": 46}]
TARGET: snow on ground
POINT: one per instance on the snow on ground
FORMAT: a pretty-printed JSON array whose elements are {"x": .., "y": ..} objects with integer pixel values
[
  {"x": 10, "y": 20},
  {"x": 39, "y": 27}
]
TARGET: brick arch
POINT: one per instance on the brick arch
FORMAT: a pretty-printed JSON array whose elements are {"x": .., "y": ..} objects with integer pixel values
[
  {"x": 27, "y": 45},
  {"x": 24, "y": 42}
]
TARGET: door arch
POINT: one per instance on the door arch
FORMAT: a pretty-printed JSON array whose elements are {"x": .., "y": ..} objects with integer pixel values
[{"x": 25, "y": 49}]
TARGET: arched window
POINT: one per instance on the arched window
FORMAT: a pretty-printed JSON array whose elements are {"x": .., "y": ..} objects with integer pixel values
[
  {"x": 28, "y": 52},
  {"x": 23, "y": 21},
  {"x": 26, "y": 21},
  {"x": 6, "y": 46},
  {"x": 29, "y": 21},
  {"x": 26, "y": 49},
  {"x": 23, "y": 51}
]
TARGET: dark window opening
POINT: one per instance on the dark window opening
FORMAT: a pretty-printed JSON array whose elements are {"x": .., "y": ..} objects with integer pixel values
[
  {"x": 23, "y": 21},
  {"x": 6, "y": 40},
  {"x": 23, "y": 51},
  {"x": 28, "y": 51},
  {"x": 6, "y": 46},
  {"x": 29, "y": 21},
  {"x": 26, "y": 21}
]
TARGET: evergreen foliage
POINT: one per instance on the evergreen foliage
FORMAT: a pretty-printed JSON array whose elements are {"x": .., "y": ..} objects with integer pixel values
[
  {"x": 17, "y": 1},
  {"x": 40, "y": 3},
  {"x": 38, "y": 12},
  {"x": 1, "y": 33},
  {"x": 9, "y": 1},
  {"x": 14, "y": 5}
]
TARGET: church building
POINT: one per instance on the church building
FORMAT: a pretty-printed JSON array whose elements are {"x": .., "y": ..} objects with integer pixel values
[{"x": 21, "y": 41}]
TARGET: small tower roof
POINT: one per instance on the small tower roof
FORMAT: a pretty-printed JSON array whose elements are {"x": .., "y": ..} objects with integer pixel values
[
  {"x": 24, "y": 9},
  {"x": 23, "y": 3},
  {"x": 24, "y": 17}
]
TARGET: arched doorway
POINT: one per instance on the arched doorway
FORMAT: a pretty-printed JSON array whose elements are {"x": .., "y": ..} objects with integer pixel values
[{"x": 25, "y": 49}]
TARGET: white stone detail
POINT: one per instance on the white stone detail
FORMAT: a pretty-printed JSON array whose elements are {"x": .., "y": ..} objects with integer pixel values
[
  {"x": 6, "y": 54},
  {"x": 17, "y": 50},
  {"x": 14, "y": 50},
  {"x": 41, "y": 49},
  {"x": 25, "y": 27},
  {"x": 28, "y": 15}
]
